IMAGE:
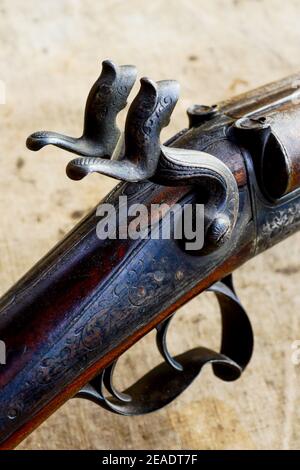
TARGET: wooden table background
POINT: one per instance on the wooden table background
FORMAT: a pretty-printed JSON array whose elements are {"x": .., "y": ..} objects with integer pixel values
[{"x": 50, "y": 54}]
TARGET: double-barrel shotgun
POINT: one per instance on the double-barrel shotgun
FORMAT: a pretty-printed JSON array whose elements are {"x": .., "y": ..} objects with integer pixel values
[{"x": 125, "y": 269}]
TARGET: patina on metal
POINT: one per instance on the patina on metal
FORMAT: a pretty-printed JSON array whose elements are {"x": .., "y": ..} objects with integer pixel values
[
  {"x": 108, "y": 96},
  {"x": 168, "y": 380},
  {"x": 144, "y": 158},
  {"x": 89, "y": 300}
]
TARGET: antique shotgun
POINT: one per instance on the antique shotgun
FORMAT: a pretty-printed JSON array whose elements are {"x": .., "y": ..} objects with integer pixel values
[{"x": 66, "y": 322}]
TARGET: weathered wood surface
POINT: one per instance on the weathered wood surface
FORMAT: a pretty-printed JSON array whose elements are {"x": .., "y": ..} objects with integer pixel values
[{"x": 50, "y": 55}]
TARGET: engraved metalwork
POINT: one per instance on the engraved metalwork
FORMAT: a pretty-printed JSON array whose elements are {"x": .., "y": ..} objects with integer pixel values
[
  {"x": 144, "y": 158},
  {"x": 147, "y": 115},
  {"x": 167, "y": 381},
  {"x": 88, "y": 300},
  {"x": 107, "y": 98},
  {"x": 199, "y": 114},
  {"x": 181, "y": 167}
]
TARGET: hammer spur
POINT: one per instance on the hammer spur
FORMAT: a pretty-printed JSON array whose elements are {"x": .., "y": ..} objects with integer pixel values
[{"x": 107, "y": 97}]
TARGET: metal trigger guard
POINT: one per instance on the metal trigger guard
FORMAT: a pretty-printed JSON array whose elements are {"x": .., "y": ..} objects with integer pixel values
[{"x": 168, "y": 380}]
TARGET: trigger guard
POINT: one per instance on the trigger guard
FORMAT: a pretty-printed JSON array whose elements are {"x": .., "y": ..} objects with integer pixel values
[{"x": 168, "y": 380}]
